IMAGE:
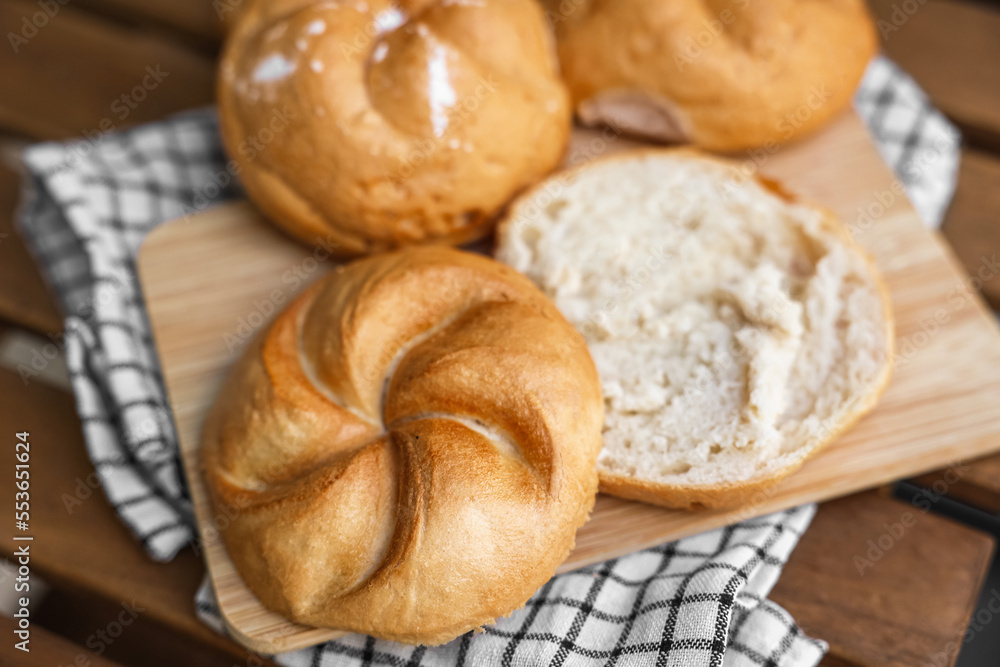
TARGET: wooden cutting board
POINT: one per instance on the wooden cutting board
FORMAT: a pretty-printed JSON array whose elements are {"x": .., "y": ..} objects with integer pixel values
[{"x": 212, "y": 281}]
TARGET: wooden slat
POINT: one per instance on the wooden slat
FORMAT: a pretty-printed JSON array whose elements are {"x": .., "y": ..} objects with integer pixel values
[
  {"x": 198, "y": 19},
  {"x": 976, "y": 483},
  {"x": 907, "y": 605},
  {"x": 47, "y": 649},
  {"x": 952, "y": 49},
  {"x": 24, "y": 298},
  {"x": 69, "y": 78},
  {"x": 89, "y": 549},
  {"x": 79, "y": 618},
  {"x": 972, "y": 225}
]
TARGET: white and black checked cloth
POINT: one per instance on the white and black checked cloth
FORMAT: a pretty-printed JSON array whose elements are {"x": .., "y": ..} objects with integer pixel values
[
  {"x": 699, "y": 601},
  {"x": 696, "y": 601}
]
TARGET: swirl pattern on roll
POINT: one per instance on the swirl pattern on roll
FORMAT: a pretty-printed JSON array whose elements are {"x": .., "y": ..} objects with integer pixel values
[{"x": 409, "y": 448}]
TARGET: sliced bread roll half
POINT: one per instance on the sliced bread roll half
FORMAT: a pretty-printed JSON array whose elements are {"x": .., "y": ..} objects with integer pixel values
[{"x": 736, "y": 331}]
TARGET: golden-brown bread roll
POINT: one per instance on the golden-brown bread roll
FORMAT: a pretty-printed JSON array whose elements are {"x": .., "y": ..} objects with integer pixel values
[
  {"x": 372, "y": 125},
  {"x": 409, "y": 448},
  {"x": 723, "y": 74}
]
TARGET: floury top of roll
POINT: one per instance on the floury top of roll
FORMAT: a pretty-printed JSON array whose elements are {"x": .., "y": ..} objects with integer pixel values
[{"x": 410, "y": 122}]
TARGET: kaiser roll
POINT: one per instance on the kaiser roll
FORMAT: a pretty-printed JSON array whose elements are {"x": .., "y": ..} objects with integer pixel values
[
  {"x": 411, "y": 446},
  {"x": 723, "y": 74},
  {"x": 372, "y": 125}
]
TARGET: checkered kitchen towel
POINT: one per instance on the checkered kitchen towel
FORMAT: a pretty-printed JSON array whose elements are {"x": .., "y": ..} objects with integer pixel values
[{"x": 698, "y": 601}]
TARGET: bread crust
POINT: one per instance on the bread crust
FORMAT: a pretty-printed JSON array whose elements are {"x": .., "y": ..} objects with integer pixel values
[
  {"x": 373, "y": 125},
  {"x": 736, "y": 493},
  {"x": 408, "y": 450},
  {"x": 726, "y": 75}
]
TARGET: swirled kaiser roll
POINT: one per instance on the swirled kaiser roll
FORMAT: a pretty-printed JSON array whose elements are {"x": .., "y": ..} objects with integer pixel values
[
  {"x": 723, "y": 74},
  {"x": 375, "y": 125},
  {"x": 412, "y": 445}
]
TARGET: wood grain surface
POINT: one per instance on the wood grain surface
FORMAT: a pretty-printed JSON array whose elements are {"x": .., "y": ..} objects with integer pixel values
[
  {"x": 24, "y": 297},
  {"x": 835, "y": 581},
  {"x": 198, "y": 22},
  {"x": 978, "y": 485},
  {"x": 211, "y": 282},
  {"x": 78, "y": 74},
  {"x": 80, "y": 543},
  {"x": 47, "y": 649},
  {"x": 972, "y": 225}
]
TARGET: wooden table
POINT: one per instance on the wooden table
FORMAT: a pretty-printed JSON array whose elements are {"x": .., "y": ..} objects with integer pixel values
[{"x": 909, "y": 604}]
